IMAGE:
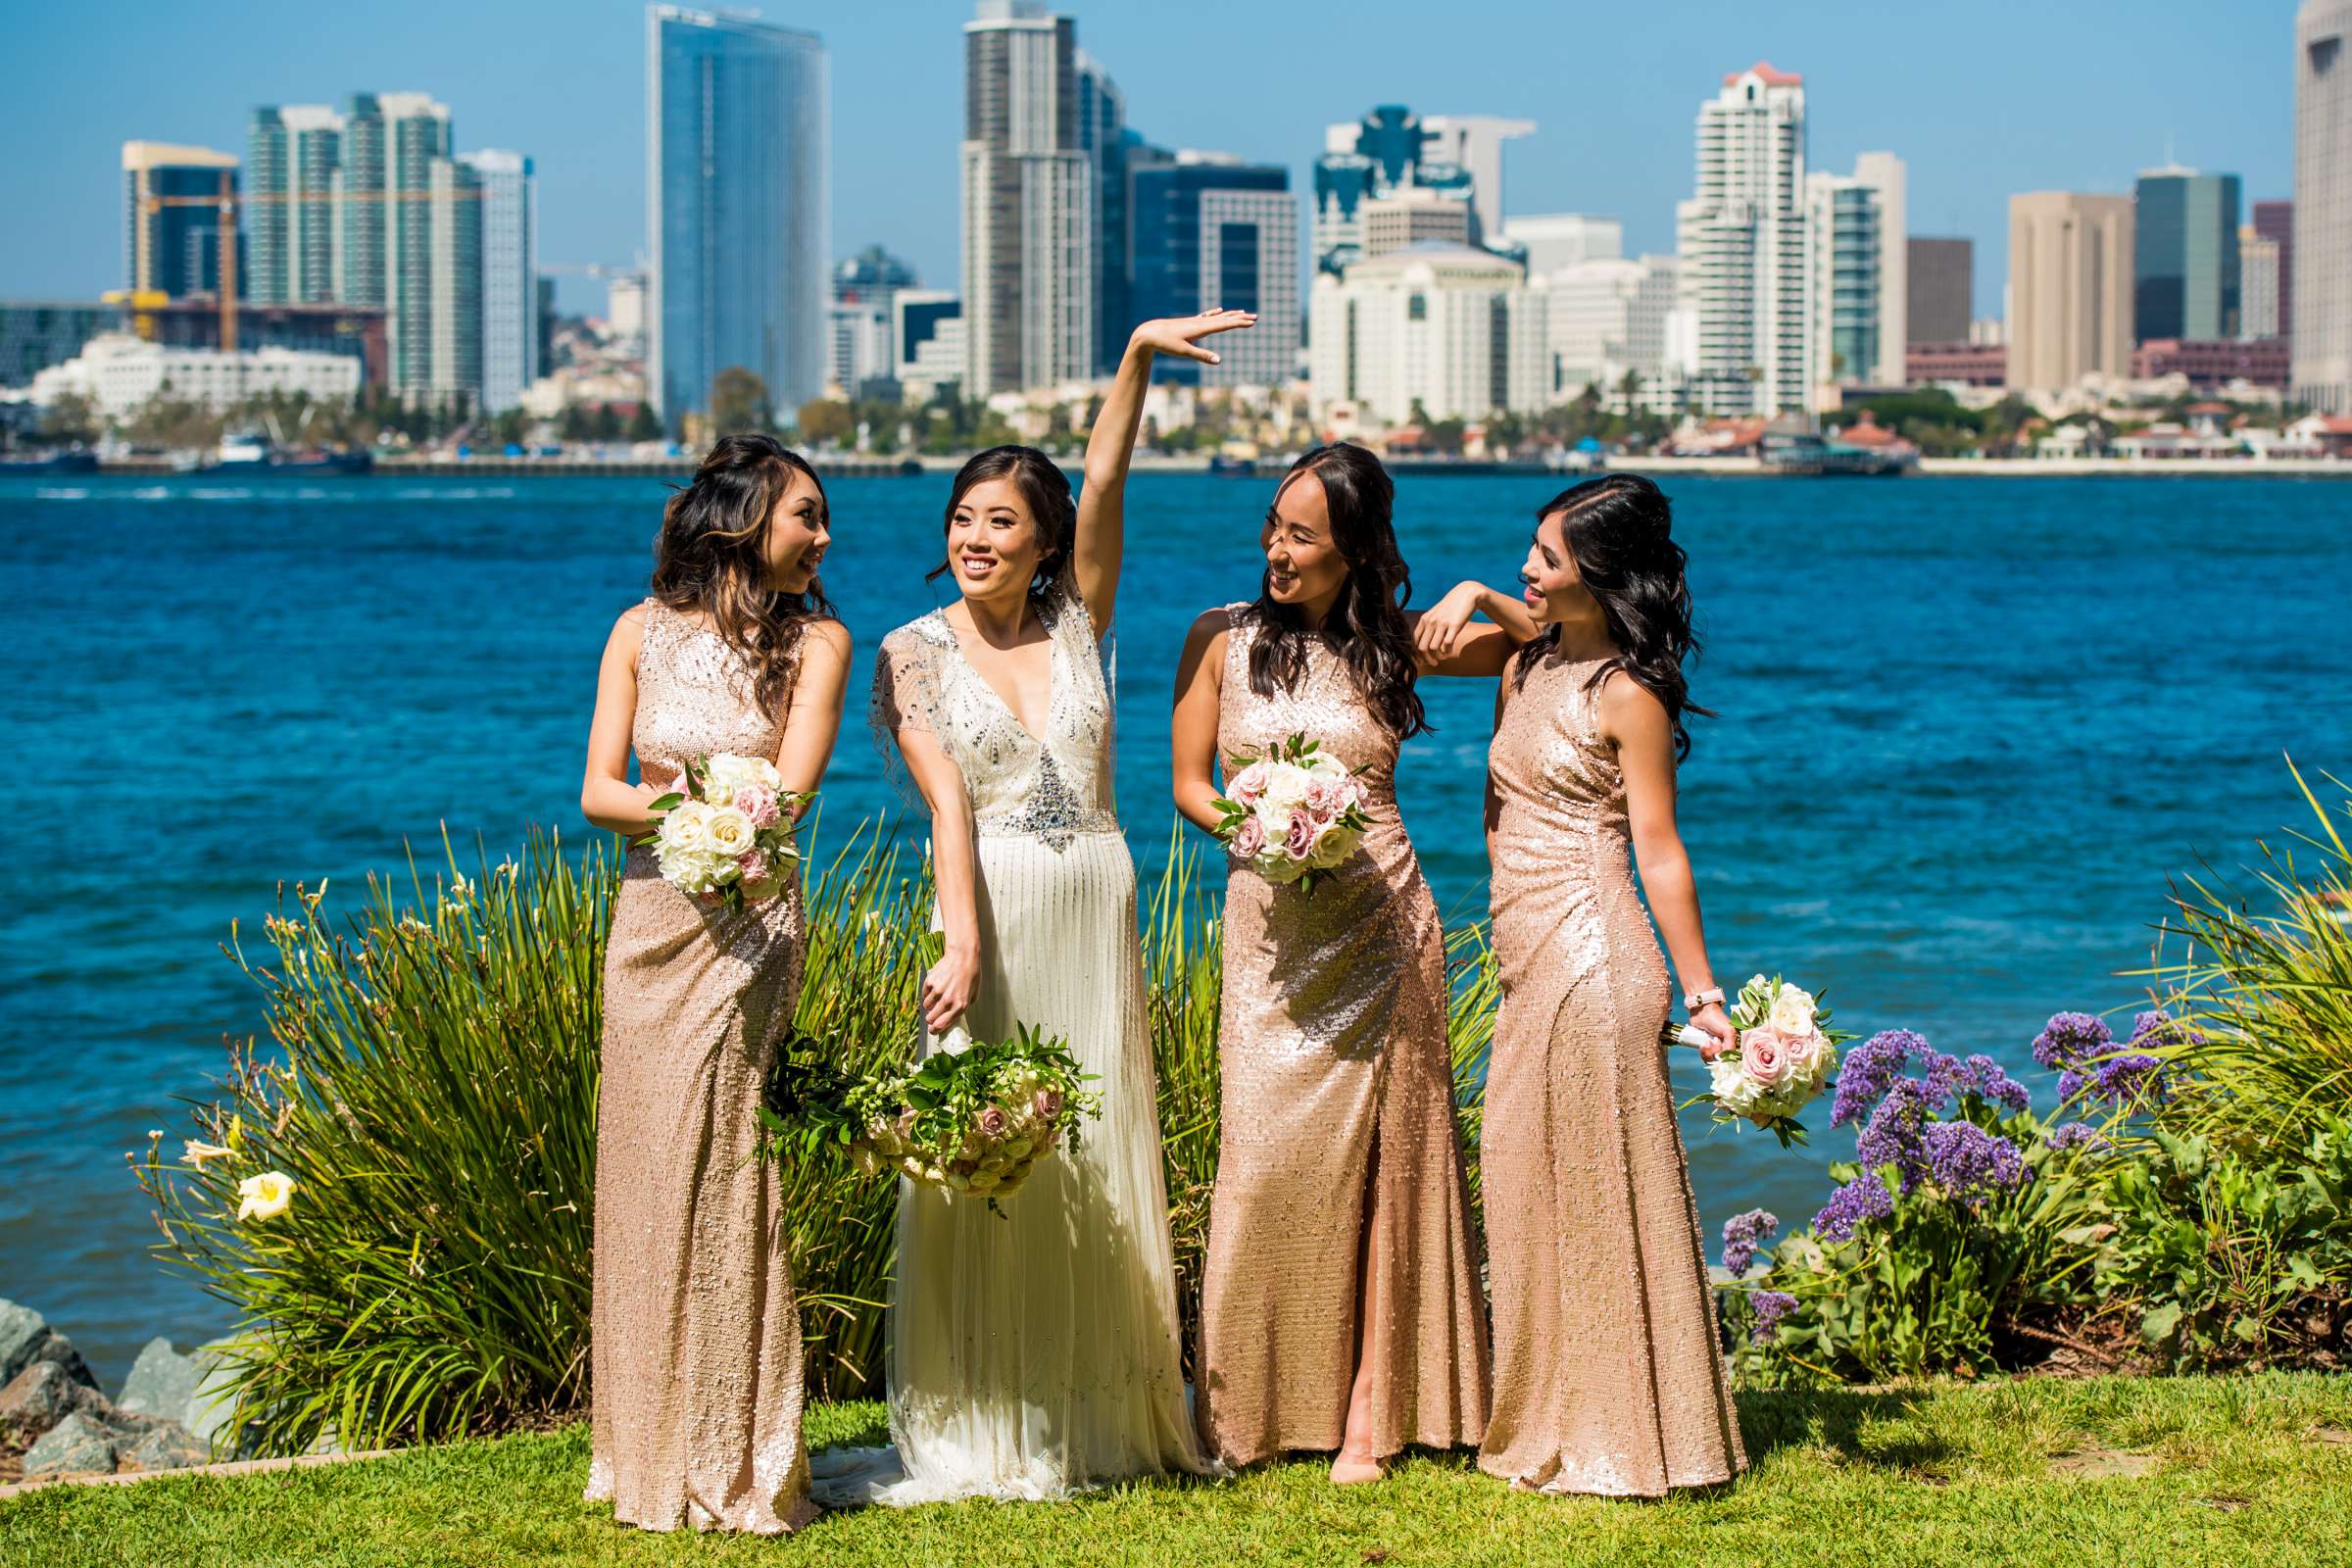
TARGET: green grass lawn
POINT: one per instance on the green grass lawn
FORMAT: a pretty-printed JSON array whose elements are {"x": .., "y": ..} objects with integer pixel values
[{"x": 2112, "y": 1471}]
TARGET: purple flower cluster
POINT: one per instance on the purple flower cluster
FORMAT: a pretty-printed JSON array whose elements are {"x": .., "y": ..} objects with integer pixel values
[
  {"x": 1892, "y": 1135},
  {"x": 2079, "y": 1135},
  {"x": 2069, "y": 1036},
  {"x": 1869, "y": 1070},
  {"x": 2075, "y": 1043},
  {"x": 1947, "y": 1078},
  {"x": 2134, "y": 1081},
  {"x": 1770, "y": 1307},
  {"x": 1740, "y": 1233},
  {"x": 1863, "y": 1197},
  {"x": 1971, "y": 1163}
]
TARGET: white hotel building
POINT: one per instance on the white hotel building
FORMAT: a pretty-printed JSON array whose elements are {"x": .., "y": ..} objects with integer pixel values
[
  {"x": 119, "y": 373},
  {"x": 1454, "y": 329}
]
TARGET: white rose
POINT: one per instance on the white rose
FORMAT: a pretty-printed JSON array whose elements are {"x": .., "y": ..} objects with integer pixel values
[
  {"x": 728, "y": 772},
  {"x": 1286, "y": 788},
  {"x": 1332, "y": 845},
  {"x": 730, "y": 833},
  {"x": 1730, "y": 1084},
  {"x": 265, "y": 1196},
  {"x": 1793, "y": 1012},
  {"x": 686, "y": 827},
  {"x": 1324, "y": 765}
]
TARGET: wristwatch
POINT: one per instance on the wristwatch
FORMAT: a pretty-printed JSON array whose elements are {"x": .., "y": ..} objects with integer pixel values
[{"x": 1692, "y": 1001}]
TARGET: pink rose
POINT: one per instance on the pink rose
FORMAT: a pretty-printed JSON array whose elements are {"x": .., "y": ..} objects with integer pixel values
[
  {"x": 1805, "y": 1053},
  {"x": 991, "y": 1122},
  {"x": 753, "y": 865},
  {"x": 759, "y": 803},
  {"x": 1301, "y": 837},
  {"x": 1323, "y": 798},
  {"x": 1046, "y": 1104},
  {"x": 1249, "y": 838},
  {"x": 1248, "y": 786},
  {"x": 1765, "y": 1054}
]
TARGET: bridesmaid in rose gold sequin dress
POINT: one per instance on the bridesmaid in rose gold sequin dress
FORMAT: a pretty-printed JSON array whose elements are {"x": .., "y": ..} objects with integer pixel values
[
  {"x": 1608, "y": 1377},
  {"x": 1341, "y": 1305},
  {"x": 695, "y": 1355}
]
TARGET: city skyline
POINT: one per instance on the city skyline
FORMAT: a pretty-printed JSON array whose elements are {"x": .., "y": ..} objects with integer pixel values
[{"x": 1983, "y": 120}]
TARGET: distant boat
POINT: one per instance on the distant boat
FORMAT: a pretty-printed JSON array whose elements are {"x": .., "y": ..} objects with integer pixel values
[
  {"x": 1232, "y": 468},
  {"x": 243, "y": 452},
  {"x": 51, "y": 462},
  {"x": 1812, "y": 454}
]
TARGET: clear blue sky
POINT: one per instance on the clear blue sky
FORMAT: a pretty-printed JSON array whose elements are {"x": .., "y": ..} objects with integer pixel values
[{"x": 1981, "y": 100}]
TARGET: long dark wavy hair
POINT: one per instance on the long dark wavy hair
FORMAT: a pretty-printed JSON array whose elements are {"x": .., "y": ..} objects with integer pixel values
[
  {"x": 1366, "y": 628},
  {"x": 710, "y": 557},
  {"x": 1620, "y": 532},
  {"x": 1047, "y": 490}
]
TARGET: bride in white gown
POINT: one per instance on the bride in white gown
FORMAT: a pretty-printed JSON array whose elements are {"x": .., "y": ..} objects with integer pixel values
[{"x": 1036, "y": 1352}]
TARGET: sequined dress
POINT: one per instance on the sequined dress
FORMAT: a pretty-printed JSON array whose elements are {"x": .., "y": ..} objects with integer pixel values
[
  {"x": 1341, "y": 1227},
  {"x": 696, "y": 1339},
  {"x": 1035, "y": 1353},
  {"x": 1607, "y": 1375}
]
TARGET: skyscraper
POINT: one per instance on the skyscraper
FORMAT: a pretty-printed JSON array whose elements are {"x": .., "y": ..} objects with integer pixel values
[
  {"x": 1553, "y": 240},
  {"x": 1385, "y": 154},
  {"x": 427, "y": 247},
  {"x": 2274, "y": 221},
  {"x": 1211, "y": 230},
  {"x": 1103, "y": 134},
  {"x": 170, "y": 226},
  {"x": 2184, "y": 256},
  {"x": 293, "y": 153},
  {"x": 1605, "y": 318},
  {"x": 361, "y": 220},
  {"x": 2070, "y": 288},
  {"x": 1860, "y": 263},
  {"x": 2321, "y": 319},
  {"x": 2258, "y": 285},
  {"x": 736, "y": 206},
  {"x": 1742, "y": 240},
  {"x": 509, "y": 272},
  {"x": 1029, "y": 198},
  {"x": 1940, "y": 290},
  {"x": 861, "y": 346},
  {"x": 1473, "y": 143}
]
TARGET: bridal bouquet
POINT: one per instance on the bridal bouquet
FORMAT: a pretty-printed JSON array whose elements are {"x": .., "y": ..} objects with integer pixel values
[
  {"x": 725, "y": 837},
  {"x": 973, "y": 1117},
  {"x": 1293, "y": 813},
  {"x": 1786, "y": 1053}
]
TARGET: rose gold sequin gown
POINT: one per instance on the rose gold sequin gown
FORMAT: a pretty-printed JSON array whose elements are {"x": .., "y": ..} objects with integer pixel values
[
  {"x": 1607, "y": 1374},
  {"x": 1341, "y": 1224},
  {"x": 696, "y": 1343}
]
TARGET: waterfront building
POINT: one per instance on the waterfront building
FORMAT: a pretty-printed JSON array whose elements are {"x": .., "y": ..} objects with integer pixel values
[
  {"x": 2258, "y": 284},
  {"x": 1858, "y": 261},
  {"x": 170, "y": 219},
  {"x": 1741, "y": 237},
  {"x": 354, "y": 331},
  {"x": 510, "y": 276},
  {"x": 927, "y": 324},
  {"x": 1607, "y": 319},
  {"x": 1029, "y": 203},
  {"x": 736, "y": 209},
  {"x": 2070, "y": 288},
  {"x": 1473, "y": 143},
  {"x": 1553, "y": 240},
  {"x": 2318, "y": 319},
  {"x": 119, "y": 373},
  {"x": 2184, "y": 256},
  {"x": 1956, "y": 363},
  {"x": 292, "y": 153},
  {"x": 2274, "y": 226},
  {"x": 36, "y": 334},
  {"x": 1441, "y": 331},
  {"x": 624, "y": 307},
  {"x": 1938, "y": 290},
  {"x": 1211, "y": 230},
  {"x": 2210, "y": 363}
]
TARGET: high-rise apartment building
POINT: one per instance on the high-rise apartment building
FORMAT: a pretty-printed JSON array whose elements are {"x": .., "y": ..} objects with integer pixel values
[
  {"x": 509, "y": 270},
  {"x": 2184, "y": 256},
  {"x": 2258, "y": 285},
  {"x": 170, "y": 216},
  {"x": 2275, "y": 223},
  {"x": 1029, "y": 204},
  {"x": 293, "y": 152},
  {"x": 1211, "y": 230},
  {"x": 2070, "y": 288},
  {"x": 1742, "y": 238},
  {"x": 2321, "y": 319},
  {"x": 1553, "y": 240},
  {"x": 736, "y": 206},
  {"x": 1940, "y": 290},
  {"x": 1859, "y": 267}
]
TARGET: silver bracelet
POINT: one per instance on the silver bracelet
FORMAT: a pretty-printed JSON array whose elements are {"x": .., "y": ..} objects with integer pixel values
[{"x": 1692, "y": 1001}]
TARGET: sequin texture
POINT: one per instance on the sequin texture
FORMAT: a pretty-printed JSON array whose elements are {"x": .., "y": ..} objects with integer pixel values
[
  {"x": 1341, "y": 1225},
  {"x": 695, "y": 1341},
  {"x": 1607, "y": 1375}
]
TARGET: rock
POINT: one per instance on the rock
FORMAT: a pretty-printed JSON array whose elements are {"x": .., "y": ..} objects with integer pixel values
[
  {"x": 161, "y": 1382},
  {"x": 215, "y": 1397},
  {"x": 38, "y": 1399},
  {"x": 165, "y": 1446},
  {"x": 26, "y": 1336},
  {"x": 76, "y": 1445}
]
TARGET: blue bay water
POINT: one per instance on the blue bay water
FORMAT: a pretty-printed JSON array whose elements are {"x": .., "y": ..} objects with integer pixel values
[{"x": 1967, "y": 728}]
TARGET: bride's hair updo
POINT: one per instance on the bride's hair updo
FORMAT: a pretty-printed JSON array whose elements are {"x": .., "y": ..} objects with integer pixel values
[
  {"x": 1044, "y": 488},
  {"x": 1368, "y": 628},
  {"x": 710, "y": 556},
  {"x": 1620, "y": 533}
]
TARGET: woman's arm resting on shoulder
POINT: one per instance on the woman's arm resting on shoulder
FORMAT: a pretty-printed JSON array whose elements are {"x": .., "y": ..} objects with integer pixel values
[
  {"x": 1193, "y": 734},
  {"x": 607, "y": 797},
  {"x": 813, "y": 723},
  {"x": 1636, "y": 723},
  {"x": 955, "y": 868},
  {"x": 1446, "y": 642}
]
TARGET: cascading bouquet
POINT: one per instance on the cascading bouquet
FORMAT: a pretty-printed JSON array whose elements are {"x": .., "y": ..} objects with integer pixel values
[
  {"x": 1293, "y": 813},
  {"x": 1786, "y": 1053},
  {"x": 972, "y": 1118},
  {"x": 726, "y": 836}
]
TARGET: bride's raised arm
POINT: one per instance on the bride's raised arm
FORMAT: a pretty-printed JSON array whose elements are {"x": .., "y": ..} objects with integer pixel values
[{"x": 1103, "y": 504}]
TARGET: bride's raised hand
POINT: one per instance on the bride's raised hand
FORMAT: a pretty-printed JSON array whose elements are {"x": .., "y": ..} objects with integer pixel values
[{"x": 1180, "y": 335}]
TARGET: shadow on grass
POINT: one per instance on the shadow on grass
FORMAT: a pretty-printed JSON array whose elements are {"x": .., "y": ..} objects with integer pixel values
[{"x": 1835, "y": 1419}]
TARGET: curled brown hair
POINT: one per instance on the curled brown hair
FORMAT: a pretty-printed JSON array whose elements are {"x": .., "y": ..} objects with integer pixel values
[{"x": 710, "y": 557}]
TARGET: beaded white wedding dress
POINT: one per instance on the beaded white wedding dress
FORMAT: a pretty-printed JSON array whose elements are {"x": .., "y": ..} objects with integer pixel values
[{"x": 1035, "y": 1352}]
